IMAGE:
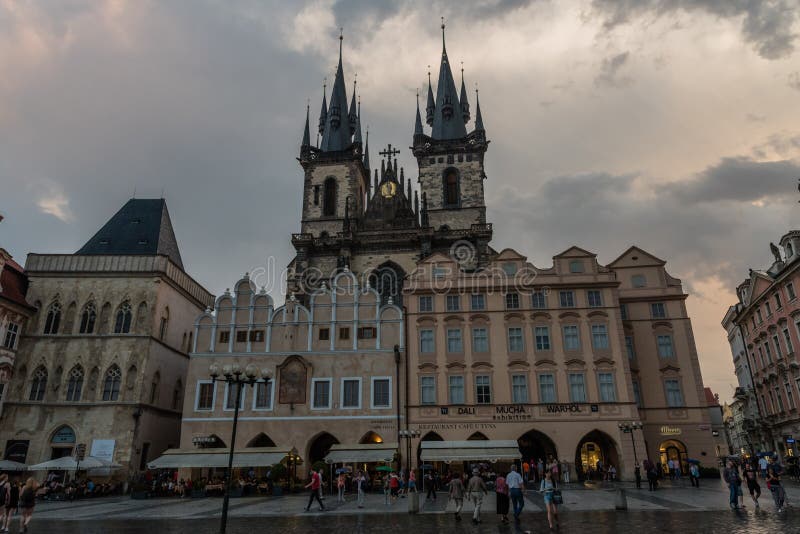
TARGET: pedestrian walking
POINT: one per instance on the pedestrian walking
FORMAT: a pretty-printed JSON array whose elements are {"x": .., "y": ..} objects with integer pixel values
[
  {"x": 27, "y": 501},
  {"x": 694, "y": 475},
  {"x": 671, "y": 468},
  {"x": 412, "y": 482},
  {"x": 734, "y": 481},
  {"x": 394, "y": 486},
  {"x": 361, "y": 486},
  {"x": 501, "y": 494},
  {"x": 637, "y": 473},
  {"x": 515, "y": 486},
  {"x": 430, "y": 482},
  {"x": 547, "y": 487},
  {"x": 565, "y": 471},
  {"x": 652, "y": 477},
  {"x": 386, "y": 490},
  {"x": 775, "y": 486},
  {"x": 340, "y": 480},
  {"x": 12, "y": 503},
  {"x": 540, "y": 469},
  {"x": 456, "y": 494},
  {"x": 476, "y": 489},
  {"x": 762, "y": 465},
  {"x": 321, "y": 484},
  {"x": 751, "y": 477},
  {"x": 5, "y": 501},
  {"x": 525, "y": 469},
  {"x": 314, "y": 485}
]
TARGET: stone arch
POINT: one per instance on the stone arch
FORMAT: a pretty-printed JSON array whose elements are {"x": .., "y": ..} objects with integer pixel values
[
  {"x": 111, "y": 383},
  {"x": 123, "y": 318},
  {"x": 62, "y": 441},
  {"x": 536, "y": 445},
  {"x": 52, "y": 320},
  {"x": 371, "y": 437},
  {"x": 141, "y": 318},
  {"x": 69, "y": 317},
  {"x": 477, "y": 436},
  {"x": 105, "y": 319},
  {"x": 593, "y": 447},
  {"x": 329, "y": 193},
  {"x": 130, "y": 383},
  {"x": 451, "y": 187},
  {"x": 88, "y": 318},
  {"x": 675, "y": 450},
  {"x": 319, "y": 446},
  {"x": 430, "y": 436},
  {"x": 387, "y": 279},
  {"x": 261, "y": 440}
]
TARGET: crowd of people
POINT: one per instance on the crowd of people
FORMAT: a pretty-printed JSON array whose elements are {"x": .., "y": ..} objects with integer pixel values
[
  {"x": 16, "y": 496},
  {"x": 767, "y": 470}
]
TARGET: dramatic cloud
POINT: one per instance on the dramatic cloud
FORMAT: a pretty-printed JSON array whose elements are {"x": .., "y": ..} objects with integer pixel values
[{"x": 205, "y": 101}]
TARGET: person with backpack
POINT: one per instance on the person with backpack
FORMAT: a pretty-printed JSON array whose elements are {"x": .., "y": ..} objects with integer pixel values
[
  {"x": 548, "y": 488},
  {"x": 734, "y": 481},
  {"x": 314, "y": 486},
  {"x": 27, "y": 501},
  {"x": 775, "y": 486},
  {"x": 456, "y": 494}
]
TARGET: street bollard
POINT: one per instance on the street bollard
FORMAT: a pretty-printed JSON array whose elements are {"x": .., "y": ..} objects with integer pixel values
[
  {"x": 413, "y": 502},
  {"x": 621, "y": 502}
]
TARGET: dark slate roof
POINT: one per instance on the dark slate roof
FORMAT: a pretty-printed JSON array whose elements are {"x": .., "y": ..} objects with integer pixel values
[
  {"x": 141, "y": 227},
  {"x": 14, "y": 284},
  {"x": 448, "y": 120}
]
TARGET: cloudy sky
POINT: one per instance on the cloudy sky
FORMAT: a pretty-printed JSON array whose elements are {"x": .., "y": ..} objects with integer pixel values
[{"x": 670, "y": 124}]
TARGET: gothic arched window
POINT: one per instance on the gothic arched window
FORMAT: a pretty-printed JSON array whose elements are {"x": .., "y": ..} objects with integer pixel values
[
  {"x": 112, "y": 383},
  {"x": 388, "y": 282},
  {"x": 53, "y": 318},
  {"x": 451, "y": 188},
  {"x": 329, "y": 197},
  {"x": 38, "y": 384},
  {"x": 122, "y": 323},
  {"x": 75, "y": 384},
  {"x": 88, "y": 318}
]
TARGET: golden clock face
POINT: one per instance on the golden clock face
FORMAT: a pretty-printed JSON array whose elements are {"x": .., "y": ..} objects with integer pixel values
[{"x": 388, "y": 189}]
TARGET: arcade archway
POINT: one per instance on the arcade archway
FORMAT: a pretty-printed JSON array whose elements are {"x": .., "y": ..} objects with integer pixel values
[
  {"x": 674, "y": 450},
  {"x": 595, "y": 453},
  {"x": 261, "y": 440},
  {"x": 320, "y": 446}
]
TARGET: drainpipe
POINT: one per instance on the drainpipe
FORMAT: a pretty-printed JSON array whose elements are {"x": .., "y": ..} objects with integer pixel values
[
  {"x": 408, "y": 384},
  {"x": 397, "y": 395}
]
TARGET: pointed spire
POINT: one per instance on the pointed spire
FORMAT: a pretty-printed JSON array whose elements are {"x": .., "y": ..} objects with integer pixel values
[
  {"x": 408, "y": 185},
  {"x": 478, "y": 116},
  {"x": 357, "y": 136},
  {"x": 383, "y": 169},
  {"x": 306, "y": 133},
  {"x": 353, "y": 114},
  {"x": 376, "y": 182},
  {"x": 416, "y": 204},
  {"x": 337, "y": 134},
  {"x": 323, "y": 114},
  {"x": 448, "y": 121},
  {"x": 402, "y": 178},
  {"x": 366, "y": 145},
  {"x": 463, "y": 99},
  {"x": 418, "y": 121},
  {"x": 431, "y": 106}
]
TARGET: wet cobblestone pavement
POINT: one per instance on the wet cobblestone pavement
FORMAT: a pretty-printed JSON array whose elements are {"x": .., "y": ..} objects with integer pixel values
[{"x": 707, "y": 522}]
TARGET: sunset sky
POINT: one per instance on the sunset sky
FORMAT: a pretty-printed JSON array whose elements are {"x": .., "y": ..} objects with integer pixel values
[{"x": 670, "y": 124}]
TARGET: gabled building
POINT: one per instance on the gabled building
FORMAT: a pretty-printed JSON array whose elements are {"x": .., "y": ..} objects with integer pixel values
[{"x": 103, "y": 360}]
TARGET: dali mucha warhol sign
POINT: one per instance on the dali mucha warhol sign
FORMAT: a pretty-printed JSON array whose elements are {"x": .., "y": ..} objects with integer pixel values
[{"x": 517, "y": 412}]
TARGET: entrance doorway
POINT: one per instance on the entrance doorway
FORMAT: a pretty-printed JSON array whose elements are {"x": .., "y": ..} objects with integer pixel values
[
  {"x": 535, "y": 445},
  {"x": 595, "y": 454},
  {"x": 62, "y": 442},
  {"x": 320, "y": 447},
  {"x": 674, "y": 450}
]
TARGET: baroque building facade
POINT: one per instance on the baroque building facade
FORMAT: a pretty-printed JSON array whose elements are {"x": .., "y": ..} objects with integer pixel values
[
  {"x": 103, "y": 361},
  {"x": 767, "y": 318}
]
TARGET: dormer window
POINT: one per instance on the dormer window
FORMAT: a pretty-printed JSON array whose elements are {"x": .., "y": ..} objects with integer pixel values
[
  {"x": 638, "y": 280},
  {"x": 789, "y": 250},
  {"x": 576, "y": 266}
]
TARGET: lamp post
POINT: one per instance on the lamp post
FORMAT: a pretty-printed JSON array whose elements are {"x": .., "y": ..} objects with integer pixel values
[
  {"x": 293, "y": 457},
  {"x": 628, "y": 428},
  {"x": 408, "y": 435},
  {"x": 234, "y": 376}
]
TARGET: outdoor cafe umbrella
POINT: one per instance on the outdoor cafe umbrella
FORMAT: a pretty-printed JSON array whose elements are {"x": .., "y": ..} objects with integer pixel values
[
  {"x": 8, "y": 465},
  {"x": 383, "y": 468},
  {"x": 68, "y": 463}
]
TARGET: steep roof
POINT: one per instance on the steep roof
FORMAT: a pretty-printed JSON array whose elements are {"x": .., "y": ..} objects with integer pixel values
[
  {"x": 141, "y": 227},
  {"x": 14, "y": 283}
]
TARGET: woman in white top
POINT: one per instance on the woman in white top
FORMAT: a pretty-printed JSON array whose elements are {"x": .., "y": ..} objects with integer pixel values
[{"x": 547, "y": 487}]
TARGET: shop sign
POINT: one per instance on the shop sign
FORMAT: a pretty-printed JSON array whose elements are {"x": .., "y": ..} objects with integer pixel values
[
  {"x": 461, "y": 410},
  {"x": 103, "y": 449},
  {"x": 457, "y": 426},
  {"x": 670, "y": 431},
  {"x": 563, "y": 408}
]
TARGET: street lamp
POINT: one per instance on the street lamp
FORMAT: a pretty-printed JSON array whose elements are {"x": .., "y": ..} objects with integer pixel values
[
  {"x": 628, "y": 428},
  {"x": 408, "y": 435},
  {"x": 234, "y": 376},
  {"x": 293, "y": 458}
]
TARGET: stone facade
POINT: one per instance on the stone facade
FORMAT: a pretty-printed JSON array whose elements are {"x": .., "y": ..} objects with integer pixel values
[
  {"x": 768, "y": 317},
  {"x": 104, "y": 357},
  {"x": 334, "y": 367}
]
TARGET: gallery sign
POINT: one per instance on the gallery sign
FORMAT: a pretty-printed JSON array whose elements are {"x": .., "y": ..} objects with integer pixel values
[{"x": 670, "y": 431}]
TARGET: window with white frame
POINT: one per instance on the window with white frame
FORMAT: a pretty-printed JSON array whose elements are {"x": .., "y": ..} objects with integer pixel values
[
  {"x": 483, "y": 389},
  {"x": 787, "y": 337},
  {"x": 658, "y": 310},
  {"x": 477, "y": 302},
  {"x": 542, "y": 335},
  {"x": 789, "y": 396},
  {"x": 760, "y": 317},
  {"x": 566, "y": 299},
  {"x": 629, "y": 348},
  {"x": 456, "y": 389},
  {"x": 547, "y": 388},
  {"x": 426, "y": 344},
  {"x": 777, "y": 344},
  {"x": 453, "y": 303},
  {"x": 427, "y": 389},
  {"x": 778, "y": 302},
  {"x": 790, "y": 291},
  {"x": 439, "y": 272},
  {"x": 262, "y": 395},
  {"x": 10, "y": 341},
  {"x": 600, "y": 336},
  {"x": 608, "y": 393},
  {"x": 572, "y": 340},
  {"x": 510, "y": 268},
  {"x": 454, "y": 341},
  {"x": 519, "y": 389},
  {"x": 321, "y": 393},
  {"x": 664, "y": 343},
  {"x": 638, "y": 280},
  {"x": 768, "y": 308},
  {"x": 623, "y": 312},
  {"x": 480, "y": 339},
  {"x": 381, "y": 392},
  {"x": 426, "y": 303},
  {"x": 768, "y": 352},
  {"x": 351, "y": 393},
  {"x": 672, "y": 387},
  {"x": 512, "y": 301},
  {"x": 595, "y": 298},
  {"x": 577, "y": 387},
  {"x": 515, "y": 340},
  {"x": 206, "y": 392},
  {"x": 538, "y": 300},
  {"x": 230, "y": 396}
]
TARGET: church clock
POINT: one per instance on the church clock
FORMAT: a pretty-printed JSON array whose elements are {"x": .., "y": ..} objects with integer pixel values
[{"x": 388, "y": 189}]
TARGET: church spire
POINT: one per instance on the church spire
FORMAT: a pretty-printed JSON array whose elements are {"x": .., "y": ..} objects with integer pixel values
[
  {"x": 357, "y": 136},
  {"x": 353, "y": 115},
  {"x": 336, "y": 135},
  {"x": 323, "y": 114},
  {"x": 431, "y": 106},
  {"x": 448, "y": 120},
  {"x": 306, "y": 133},
  {"x": 366, "y": 145},
  {"x": 418, "y": 121},
  {"x": 478, "y": 116},
  {"x": 463, "y": 99}
]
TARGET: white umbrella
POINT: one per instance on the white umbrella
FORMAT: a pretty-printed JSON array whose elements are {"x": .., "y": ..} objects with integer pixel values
[
  {"x": 8, "y": 465},
  {"x": 68, "y": 463}
]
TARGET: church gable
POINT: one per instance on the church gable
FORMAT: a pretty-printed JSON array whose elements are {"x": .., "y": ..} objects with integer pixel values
[{"x": 575, "y": 252}]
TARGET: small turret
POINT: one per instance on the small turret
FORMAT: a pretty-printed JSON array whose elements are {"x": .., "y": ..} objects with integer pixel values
[
  {"x": 431, "y": 106},
  {"x": 323, "y": 114},
  {"x": 352, "y": 116},
  {"x": 463, "y": 99},
  {"x": 366, "y": 146},
  {"x": 418, "y": 120},
  {"x": 478, "y": 116},
  {"x": 306, "y": 133}
]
